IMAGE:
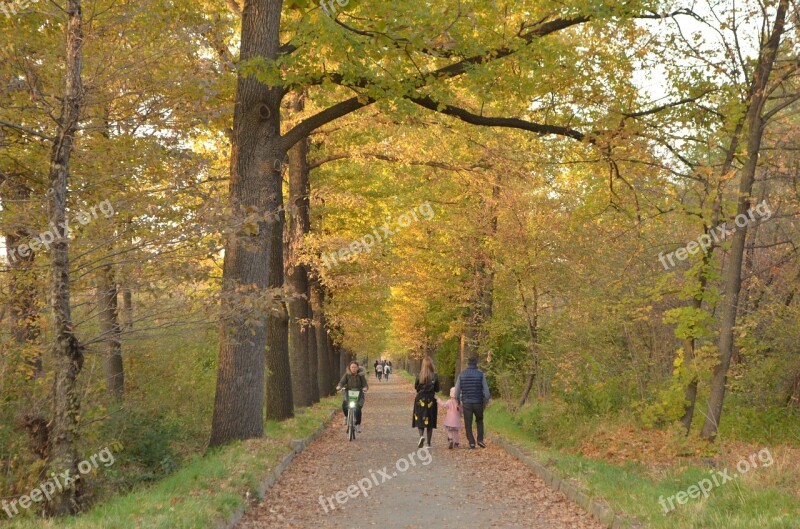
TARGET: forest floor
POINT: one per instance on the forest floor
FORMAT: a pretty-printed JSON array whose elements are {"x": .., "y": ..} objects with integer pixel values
[{"x": 439, "y": 488}]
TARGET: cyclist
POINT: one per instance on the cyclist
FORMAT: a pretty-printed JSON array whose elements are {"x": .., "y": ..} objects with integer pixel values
[{"x": 354, "y": 378}]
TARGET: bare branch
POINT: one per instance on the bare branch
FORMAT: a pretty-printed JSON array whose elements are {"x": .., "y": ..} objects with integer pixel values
[{"x": 25, "y": 130}]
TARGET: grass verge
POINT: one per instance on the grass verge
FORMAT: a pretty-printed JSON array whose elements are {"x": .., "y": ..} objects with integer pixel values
[
  {"x": 206, "y": 491},
  {"x": 763, "y": 497}
]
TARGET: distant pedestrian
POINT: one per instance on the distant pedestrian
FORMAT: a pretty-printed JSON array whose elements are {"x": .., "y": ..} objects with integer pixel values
[
  {"x": 452, "y": 419},
  {"x": 472, "y": 392},
  {"x": 386, "y": 371},
  {"x": 379, "y": 371},
  {"x": 425, "y": 409}
]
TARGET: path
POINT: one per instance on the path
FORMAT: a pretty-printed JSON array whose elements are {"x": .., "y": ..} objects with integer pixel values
[{"x": 456, "y": 489}]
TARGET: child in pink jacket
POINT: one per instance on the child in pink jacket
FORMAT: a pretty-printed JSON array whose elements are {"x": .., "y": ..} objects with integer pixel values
[{"x": 452, "y": 420}]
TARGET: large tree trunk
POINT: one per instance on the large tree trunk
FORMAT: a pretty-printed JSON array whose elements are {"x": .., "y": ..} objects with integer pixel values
[
  {"x": 110, "y": 331},
  {"x": 279, "y": 393},
  {"x": 67, "y": 352},
  {"x": 303, "y": 366},
  {"x": 733, "y": 275},
  {"x": 255, "y": 200}
]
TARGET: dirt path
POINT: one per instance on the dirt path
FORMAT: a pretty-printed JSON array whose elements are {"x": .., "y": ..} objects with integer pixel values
[{"x": 440, "y": 488}]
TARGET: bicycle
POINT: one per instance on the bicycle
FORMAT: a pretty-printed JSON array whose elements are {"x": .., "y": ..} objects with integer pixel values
[{"x": 353, "y": 395}]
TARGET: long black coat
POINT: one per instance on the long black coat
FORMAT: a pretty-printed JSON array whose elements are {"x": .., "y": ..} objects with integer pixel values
[{"x": 425, "y": 407}]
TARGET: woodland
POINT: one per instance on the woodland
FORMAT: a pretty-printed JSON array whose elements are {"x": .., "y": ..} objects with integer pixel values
[{"x": 209, "y": 208}]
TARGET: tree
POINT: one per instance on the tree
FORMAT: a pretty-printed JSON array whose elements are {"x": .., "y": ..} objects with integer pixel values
[
  {"x": 304, "y": 366},
  {"x": 67, "y": 352},
  {"x": 257, "y": 142},
  {"x": 110, "y": 331},
  {"x": 756, "y": 120}
]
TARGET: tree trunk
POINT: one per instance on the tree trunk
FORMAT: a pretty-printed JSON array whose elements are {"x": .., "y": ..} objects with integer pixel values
[
  {"x": 533, "y": 335},
  {"x": 320, "y": 338},
  {"x": 127, "y": 309},
  {"x": 296, "y": 292},
  {"x": 473, "y": 336},
  {"x": 110, "y": 331},
  {"x": 335, "y": 357},
  {"x": 690, "y": 392},
  {"x": 479, "y": 312},
  {"x": 343, "y": 357},
  {"x": 459, "y": 357},
  {"x": 733, "y": 276},
  {"x": 303, "y": 366},
  {"x": 255, "y": 200},
  {"x": 793, "y": 395},
  {"x": 67, "y": 352},
  {"x": 279, "y": 392}
]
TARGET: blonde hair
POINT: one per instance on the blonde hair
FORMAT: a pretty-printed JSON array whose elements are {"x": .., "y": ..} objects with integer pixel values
[{"x": 427, "y": 370}]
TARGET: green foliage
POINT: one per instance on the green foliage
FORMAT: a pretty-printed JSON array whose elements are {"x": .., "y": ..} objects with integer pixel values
[
  {"x": 203, "y": 492},
  {"x": 689, "y": 322},
  {"x": 147, "y": 452},
  {"x": 445, "y": 357},
  {"x": 772, "y": 425}
]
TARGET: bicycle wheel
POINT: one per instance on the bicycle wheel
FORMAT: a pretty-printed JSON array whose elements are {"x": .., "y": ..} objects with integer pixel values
[{"x": 351, "y": 425}]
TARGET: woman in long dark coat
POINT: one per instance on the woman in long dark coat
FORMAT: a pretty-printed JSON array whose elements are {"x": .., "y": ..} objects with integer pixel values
[{"x": 425, "y": 408}]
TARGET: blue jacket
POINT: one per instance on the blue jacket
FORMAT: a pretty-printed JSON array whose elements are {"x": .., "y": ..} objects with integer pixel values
[{"x": 471, "y": 387}]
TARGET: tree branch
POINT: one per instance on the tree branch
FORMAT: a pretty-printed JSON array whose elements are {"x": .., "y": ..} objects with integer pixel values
[
  {"x": 515, "y": 123},
  {"x": 305, "y": 127},
  {"x": 25, "y": 130},
  {"x": 656, "y": 110},
  {"x": 537, "y": 30}
]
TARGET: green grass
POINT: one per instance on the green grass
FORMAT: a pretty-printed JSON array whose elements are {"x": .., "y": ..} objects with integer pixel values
[
  {"x": 756, "y": 500},
  {"x": 204, "y": 491},
  {"x": 406, "y": 376}
]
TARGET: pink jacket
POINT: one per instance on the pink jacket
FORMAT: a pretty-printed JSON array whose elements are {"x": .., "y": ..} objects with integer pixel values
[{"x": 453, "y": 416}]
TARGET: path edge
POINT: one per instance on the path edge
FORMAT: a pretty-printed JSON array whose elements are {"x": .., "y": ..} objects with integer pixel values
[
  {"x": 595, "y": 506},
  {"x": 298, "y": 445}
]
